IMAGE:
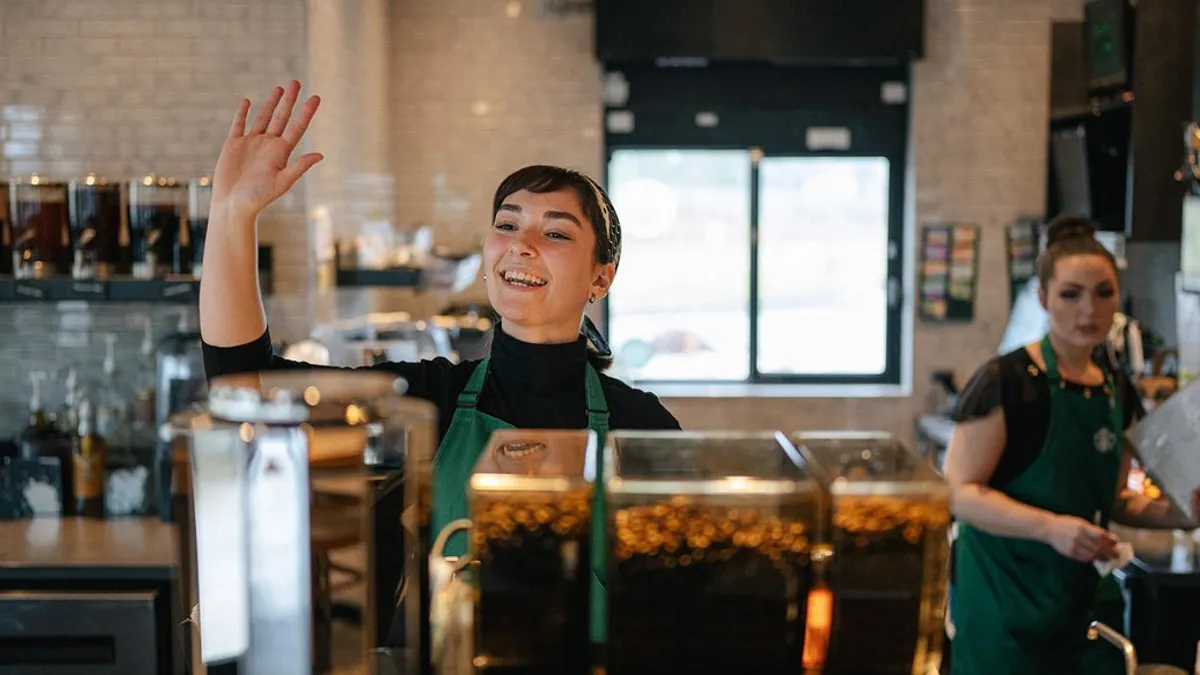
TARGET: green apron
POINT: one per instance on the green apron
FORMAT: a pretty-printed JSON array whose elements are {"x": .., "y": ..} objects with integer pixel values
[
  {"x": 465, "y": 440},
  {"x": 1020, "y": 606}
]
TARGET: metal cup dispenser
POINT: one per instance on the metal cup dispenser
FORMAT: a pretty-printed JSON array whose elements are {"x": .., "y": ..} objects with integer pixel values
[{"x": 263, "y": 452}]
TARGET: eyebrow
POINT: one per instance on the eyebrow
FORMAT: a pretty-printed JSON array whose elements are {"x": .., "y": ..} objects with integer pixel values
[{"x": 548, "y": 215}]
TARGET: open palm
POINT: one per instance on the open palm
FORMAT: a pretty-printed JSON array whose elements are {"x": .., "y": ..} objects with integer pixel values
[{"x": 253, "y": 169}]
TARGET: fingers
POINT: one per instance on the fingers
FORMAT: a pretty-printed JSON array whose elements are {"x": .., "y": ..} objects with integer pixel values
[
  {"x": 283, "y": 111},
  {"x": 289, "y": 176},
  {"x": 295, "y": 130},
  {"x": 265, "y": 112},
  {"x": 239, "y": 119}
]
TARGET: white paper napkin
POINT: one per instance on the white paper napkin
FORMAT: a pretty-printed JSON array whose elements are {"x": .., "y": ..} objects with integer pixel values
[{"x": 1124, "y": 551}]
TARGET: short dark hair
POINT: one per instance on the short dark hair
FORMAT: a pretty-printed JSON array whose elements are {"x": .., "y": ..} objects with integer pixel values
[
  {"x": 596, "y": 205},
  {"x": 1069, "y": 235},
  {"x": 598, "y": 208}
]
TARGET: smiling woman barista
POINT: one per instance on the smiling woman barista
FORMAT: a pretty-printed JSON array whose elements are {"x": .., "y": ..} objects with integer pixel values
[
  {"x": 553, "y": 247},
  {"x": 1035, "y": 466}
]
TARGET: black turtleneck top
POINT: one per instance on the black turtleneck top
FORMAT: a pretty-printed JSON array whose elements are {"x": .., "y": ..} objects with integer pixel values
[{"x": 530, "y": 386}]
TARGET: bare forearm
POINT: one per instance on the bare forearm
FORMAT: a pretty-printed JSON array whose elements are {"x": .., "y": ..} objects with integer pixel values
[
  {"x": 996, "y": 513},
  {"x": 231, "y": 308},
  {"x": 1137, "y": 510}
]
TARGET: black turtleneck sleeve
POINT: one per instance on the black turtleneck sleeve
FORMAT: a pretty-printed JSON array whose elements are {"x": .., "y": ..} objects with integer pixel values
[{"x": 530, "y": 386}]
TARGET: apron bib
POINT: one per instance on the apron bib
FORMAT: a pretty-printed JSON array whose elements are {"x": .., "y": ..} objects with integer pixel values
[
  {"x": 1020, "y": 606},
  {"x": 458, "y": 452}
]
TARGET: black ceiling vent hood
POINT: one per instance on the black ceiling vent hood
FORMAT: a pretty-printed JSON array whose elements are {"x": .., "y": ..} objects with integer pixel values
[{"x": 833, "y": 32}]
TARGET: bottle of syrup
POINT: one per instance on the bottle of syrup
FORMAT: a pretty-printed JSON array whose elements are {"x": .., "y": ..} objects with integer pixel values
[{"x": 88, "y": 456}]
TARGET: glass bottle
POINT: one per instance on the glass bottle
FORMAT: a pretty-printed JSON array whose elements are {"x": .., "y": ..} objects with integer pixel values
[
  {"x": 112, "y": 418},
  {"x": 88, "y": 456},
  {"x": 6, "y": 238}
]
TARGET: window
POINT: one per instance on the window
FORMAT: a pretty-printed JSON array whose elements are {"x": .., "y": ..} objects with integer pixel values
[{"x": 740, "y": 267}]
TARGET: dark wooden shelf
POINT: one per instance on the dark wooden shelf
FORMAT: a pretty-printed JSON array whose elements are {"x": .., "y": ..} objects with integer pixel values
[
  {"x": 396, "y": 276},
  {"x": 181, "y": 291}
]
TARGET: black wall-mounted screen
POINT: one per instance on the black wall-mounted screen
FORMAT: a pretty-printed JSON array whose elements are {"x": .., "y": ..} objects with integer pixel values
[
  {"x": 801, "y": 31},
  {"x": 1089, "y": 168},
  {"x": 1107, "y": 34}
]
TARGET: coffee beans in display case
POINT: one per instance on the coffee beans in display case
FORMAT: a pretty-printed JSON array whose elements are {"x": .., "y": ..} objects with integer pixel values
[
  {"x": 531, "y": 500},
  {"x": 712, "y": 542},
  {"x": 890, "y": 514}
]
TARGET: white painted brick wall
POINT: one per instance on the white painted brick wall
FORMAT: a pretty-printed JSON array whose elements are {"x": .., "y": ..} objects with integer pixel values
[{"x": 980, "y": 101}]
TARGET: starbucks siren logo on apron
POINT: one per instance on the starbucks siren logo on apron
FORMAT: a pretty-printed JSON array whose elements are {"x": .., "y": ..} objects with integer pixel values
[{"x": 1105, "y": 440}]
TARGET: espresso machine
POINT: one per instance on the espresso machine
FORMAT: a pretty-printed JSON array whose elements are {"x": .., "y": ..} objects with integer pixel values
[{"x": 264, "y": 453}]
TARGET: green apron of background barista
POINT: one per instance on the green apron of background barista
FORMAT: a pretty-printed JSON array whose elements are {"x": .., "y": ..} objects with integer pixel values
[{"x": 1020, "y": 606}]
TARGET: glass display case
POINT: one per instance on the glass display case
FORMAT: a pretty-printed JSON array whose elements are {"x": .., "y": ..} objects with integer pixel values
[
  {"x": 284, "y": 468},
  {"x": 890, "y": 514},
  {"x": 711, "y": 541},
  {"x": 530, "y": 503}
]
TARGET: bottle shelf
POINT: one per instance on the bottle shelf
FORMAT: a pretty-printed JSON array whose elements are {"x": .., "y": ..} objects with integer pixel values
[{"x": 182, "y": 290}]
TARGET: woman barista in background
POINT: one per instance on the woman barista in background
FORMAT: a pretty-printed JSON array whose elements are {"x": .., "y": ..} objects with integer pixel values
[
  {"x": 1036, "y": 469},
  {"x": 553, "y": 247}
]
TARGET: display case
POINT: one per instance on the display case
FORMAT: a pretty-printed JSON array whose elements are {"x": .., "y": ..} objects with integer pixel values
[
  {"x": 530, "y": 503},
  {"x": 711, "y": 541},
  {"x": 261, "y": 526},
  {"x": 890, "y": 516}
]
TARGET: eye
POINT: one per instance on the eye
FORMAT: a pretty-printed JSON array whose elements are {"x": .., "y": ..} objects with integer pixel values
[
  {"x": 505, "y": 226},
  {"x": 1105, "y": 292},
  {"x": 558, "y": 235},
  {"x": 1070, "y": 294}
]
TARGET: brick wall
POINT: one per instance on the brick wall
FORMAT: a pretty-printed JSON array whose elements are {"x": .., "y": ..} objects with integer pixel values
[
  {"x": 479, "y": 92},
  {"x": 122, "y": 88},
  {"x": 475, "y": 92}
]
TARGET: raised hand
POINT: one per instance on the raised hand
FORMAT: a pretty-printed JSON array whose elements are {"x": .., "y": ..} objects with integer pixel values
[{"x": 253, "y": 169}]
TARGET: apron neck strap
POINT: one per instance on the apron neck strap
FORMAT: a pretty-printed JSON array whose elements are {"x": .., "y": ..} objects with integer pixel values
[
  {"x": 597, "y": 406},
  {"x": 1051, "y": 360},
  {"x": 470, "y": 393}
]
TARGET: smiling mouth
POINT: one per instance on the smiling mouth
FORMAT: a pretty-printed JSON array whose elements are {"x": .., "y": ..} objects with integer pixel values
[{"x": 522, "y": 279}]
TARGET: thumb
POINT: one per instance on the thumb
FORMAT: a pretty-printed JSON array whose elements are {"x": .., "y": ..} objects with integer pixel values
[{"x": 288, "y": 177}]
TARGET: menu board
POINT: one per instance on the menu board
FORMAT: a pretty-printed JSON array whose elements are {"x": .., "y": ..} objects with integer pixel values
[
  {"x": 949, "y": 271},
  {"x": 1022, "y": 255},
  {"x": 1167, "y": 443}
]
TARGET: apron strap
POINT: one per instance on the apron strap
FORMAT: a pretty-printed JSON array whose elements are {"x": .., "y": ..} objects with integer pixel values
[
  {"x": 1051, "y": 361},
  {"x": 470, "y": 393},
  {"x": 597, "y": 406}
]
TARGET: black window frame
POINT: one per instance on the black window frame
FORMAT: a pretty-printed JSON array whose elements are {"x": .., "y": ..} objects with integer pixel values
[{"x": 770, "y": 108}]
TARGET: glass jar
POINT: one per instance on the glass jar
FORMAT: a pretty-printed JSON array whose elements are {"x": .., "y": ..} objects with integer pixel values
[
  {"x": 285, "y": 467},
  {"x": 199, "y": 204},
  {"x": 157, "y": 205},
  {"x": 6, "y": 235},
  {"x": 94, "y": 213},
  {"x": 711, "y": 536},
  {"x": 890, "y": 516},
  {"x": 41, "y": 238},
  {"x": 531, "y": 500}
]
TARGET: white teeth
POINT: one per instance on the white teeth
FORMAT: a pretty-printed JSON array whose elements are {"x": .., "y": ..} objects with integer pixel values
[{"x": 522, "y": 278}]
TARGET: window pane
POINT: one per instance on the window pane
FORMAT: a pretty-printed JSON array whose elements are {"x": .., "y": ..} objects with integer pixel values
[
  {"x": 823, "y": 255},
  {"x": 680, "y": 306}
]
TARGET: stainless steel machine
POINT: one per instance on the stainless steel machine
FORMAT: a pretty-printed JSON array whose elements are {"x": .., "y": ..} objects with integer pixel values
[{"x": 262, "y": 452}]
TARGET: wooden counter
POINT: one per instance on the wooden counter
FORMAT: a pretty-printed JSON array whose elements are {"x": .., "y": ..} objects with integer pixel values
[
  {"x": 103, "y": 594},
  {"x": 130, "y": 547}
]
